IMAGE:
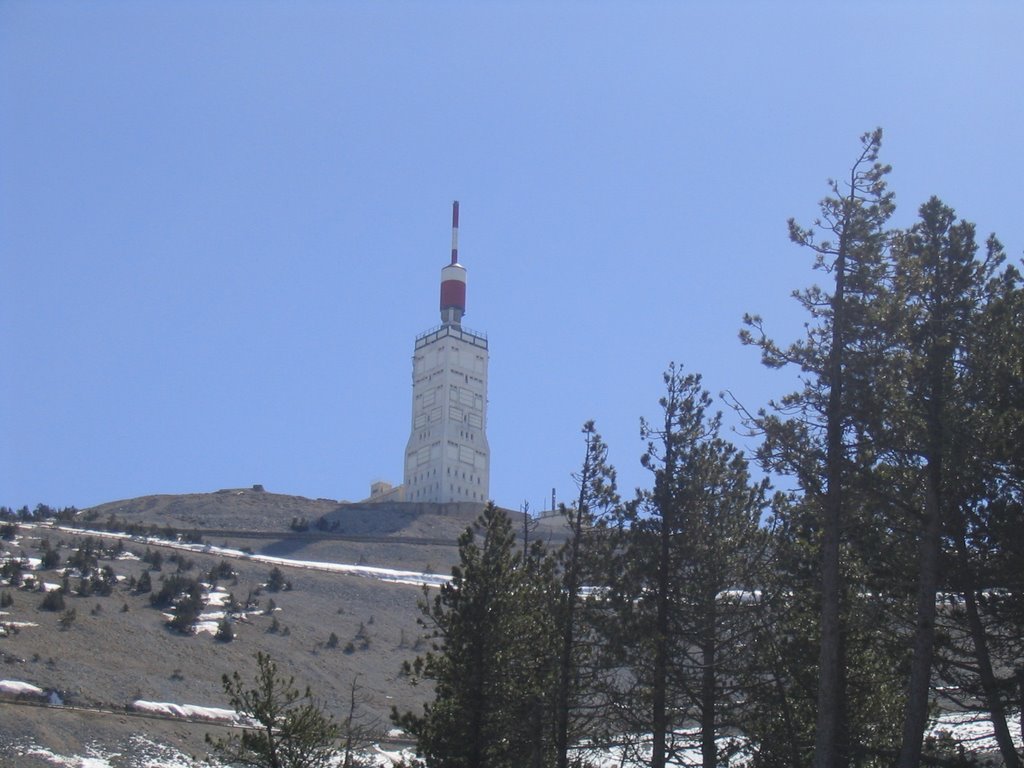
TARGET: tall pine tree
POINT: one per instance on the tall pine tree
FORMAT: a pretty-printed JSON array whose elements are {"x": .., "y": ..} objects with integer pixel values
[
  {"x": 686, "y": 572},
  {"x": 491, "y": 661},
  {"x": 574, "y": 694},
  {"x": 931, "y": 421},
  {"x": 812, "y": 434}
]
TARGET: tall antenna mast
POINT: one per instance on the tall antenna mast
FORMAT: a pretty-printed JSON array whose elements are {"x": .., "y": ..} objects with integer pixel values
[
  {"x": 453, "y": 279},
  {"x": 455, "y": 232}
]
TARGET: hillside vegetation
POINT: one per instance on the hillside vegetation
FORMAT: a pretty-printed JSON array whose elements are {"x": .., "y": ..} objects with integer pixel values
[{"x": 108, "y": 645}]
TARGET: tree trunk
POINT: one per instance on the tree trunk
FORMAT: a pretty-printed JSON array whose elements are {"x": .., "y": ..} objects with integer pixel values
[
  {"x": 939, "y": 355},
  {"x": 708, "y": 744},
  {"x": 828, "y": 751},
  {"x": 993, "y": 699},
  {"x": 1020, "y": 700},
  {"x": 659, "y": 684},
  {"x": 563, "y": 698},
  {"x": 915, "y": 717}
]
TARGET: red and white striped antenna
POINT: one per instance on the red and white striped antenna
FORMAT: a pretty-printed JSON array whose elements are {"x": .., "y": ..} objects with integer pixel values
[
  {"x": 455, "y": 232},
  {"x": 453, "y": 279}
]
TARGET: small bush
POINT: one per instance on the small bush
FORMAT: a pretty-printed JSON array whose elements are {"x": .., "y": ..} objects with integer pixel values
[
  {"x": 220, "y": 571},
  {"x": 154, "y": 558},
  {"x": 172, "y": 587},
  {"x": 86, "y": 557},
  {"x": 225, "y": 633},
  {"x": 184, "y": 563},
  {"x": 68, "y": 618},
  {"x": 53, "y": 600},
  {"x": 363, "y": 637},
  {"x": 276, "y": 581},
  {"x": 84, "y": 587},
  {"x": 50, "y": 560},
  {"x": 187, "y": 609},
  {"x": 12, "y": 571}
]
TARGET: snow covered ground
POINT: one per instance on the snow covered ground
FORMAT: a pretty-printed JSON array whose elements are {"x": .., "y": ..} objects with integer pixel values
[
  {"x": 146, "y": 753},
  {"x": 19, "y": 688},
  {"x": 149, "y": 754}
]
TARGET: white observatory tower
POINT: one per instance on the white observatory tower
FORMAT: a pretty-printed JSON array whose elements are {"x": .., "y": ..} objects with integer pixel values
[{"x": 447, "y": 458}]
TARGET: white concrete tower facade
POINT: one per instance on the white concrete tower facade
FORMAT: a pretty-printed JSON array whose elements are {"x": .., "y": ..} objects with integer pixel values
[{"x": 447, "y": 458}]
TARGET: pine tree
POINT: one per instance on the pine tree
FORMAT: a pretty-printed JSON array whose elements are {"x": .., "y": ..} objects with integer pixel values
[
  {"x": 926, "y": 440},
  {"x": 288, "y": 728},
  {"x": 812, "y": 433},
  {"x": 687, "y": 561},
  {"x": 779, "y": 676},
  {"x": 597, "y": 497},
  {"x": 491, "y": 657},
  {"x": 954, "y": 306},
  {"x": 225, "y": 632}
]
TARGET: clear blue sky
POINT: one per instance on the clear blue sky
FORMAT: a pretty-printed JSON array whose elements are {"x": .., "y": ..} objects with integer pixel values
[{"x": 222, "y": 223}]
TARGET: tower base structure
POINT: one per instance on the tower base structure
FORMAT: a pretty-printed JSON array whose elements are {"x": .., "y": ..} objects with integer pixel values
[{"x": 447, "y": 457}]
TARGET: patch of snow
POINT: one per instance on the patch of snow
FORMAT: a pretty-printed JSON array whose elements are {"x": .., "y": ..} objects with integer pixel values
[
  {"x": 189, "y": 711},
  {"x": 156, "y": 755},
  {"x": 205, "y": 625},
  {"x": 19, "y": 688},
  {"x": 386, "y": 759},
  {"x": 739, "y": 596},
  {"x": 69, "y": 762},
  {"x": 687, "y": 748},
  {"x": 27, "y": 563},
  {"x": 975, "y": 730},
  {"x": 217, "y": 596},
  {"x": 143, "y": 754}
]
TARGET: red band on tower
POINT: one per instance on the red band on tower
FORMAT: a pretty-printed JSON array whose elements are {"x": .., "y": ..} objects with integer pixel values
[{"x": 453, "y": 295}]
